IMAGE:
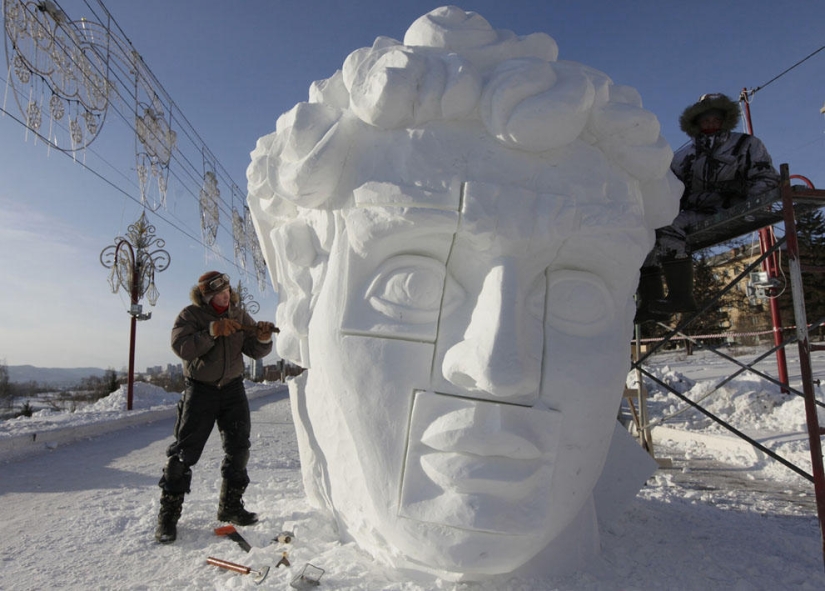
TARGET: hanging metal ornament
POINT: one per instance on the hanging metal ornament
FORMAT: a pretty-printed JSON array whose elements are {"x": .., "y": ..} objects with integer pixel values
[
  {"x": 155, "y": 143},
  {"x": 210, "y": 194},
  {"x": 239, "y": 238},
  {"x": 59, "y": 63},
  {"x": 255, "y": 250}
]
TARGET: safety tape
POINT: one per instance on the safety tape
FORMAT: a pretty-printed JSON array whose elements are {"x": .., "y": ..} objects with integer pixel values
[{"x": 715, "y": 336}]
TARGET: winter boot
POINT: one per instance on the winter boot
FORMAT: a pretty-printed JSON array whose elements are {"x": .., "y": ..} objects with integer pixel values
[
  {"x": 171, "y": 505},
  {"x": 650, "y": 290},
  {"x": 679, "y": 278},
  {"x": 231, "y": 507}
]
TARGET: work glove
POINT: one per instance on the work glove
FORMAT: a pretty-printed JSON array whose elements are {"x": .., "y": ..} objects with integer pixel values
[
  {"x": 264, "y": 330},
  {"x": 223, "y": 327}
]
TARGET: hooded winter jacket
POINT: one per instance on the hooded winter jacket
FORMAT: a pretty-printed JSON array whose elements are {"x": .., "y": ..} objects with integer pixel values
[
  {"x": 723, "y": 167},
  {"x": 214, "y": 360}
]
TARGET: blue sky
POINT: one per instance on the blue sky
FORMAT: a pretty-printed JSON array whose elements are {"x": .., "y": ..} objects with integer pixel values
[{"x": 232, "y": 68}]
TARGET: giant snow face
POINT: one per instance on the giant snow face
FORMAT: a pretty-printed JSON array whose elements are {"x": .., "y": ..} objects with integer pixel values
[{"x": 455, "y": 232}]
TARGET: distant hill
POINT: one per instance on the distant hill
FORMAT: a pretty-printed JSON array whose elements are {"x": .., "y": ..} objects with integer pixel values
[{"x": 52, "y": 376}]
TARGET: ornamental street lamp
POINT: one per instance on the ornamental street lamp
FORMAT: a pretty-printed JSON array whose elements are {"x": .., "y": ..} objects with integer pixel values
[{"x": 133, "y": 264}]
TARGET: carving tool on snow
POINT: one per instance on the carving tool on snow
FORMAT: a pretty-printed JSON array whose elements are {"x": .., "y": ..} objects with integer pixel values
[
  {"x": 230, "y": 532},
  {"x": 259, "y": 575},
  {"x": 310, "y": 576},
  {"x": 285, "y": 537}
]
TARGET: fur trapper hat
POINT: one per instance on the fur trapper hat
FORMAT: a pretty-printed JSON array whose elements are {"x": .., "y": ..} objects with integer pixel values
[{"x": 730, "y": 113}]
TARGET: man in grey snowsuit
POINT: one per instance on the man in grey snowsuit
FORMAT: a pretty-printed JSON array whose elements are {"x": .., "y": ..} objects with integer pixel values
[
  {"x": 719, "y": 168},
  {"x": 211, "y": 336}
]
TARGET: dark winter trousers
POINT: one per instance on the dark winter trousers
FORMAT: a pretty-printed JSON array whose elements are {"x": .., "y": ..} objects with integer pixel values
[{"x": 201, "y": 406}]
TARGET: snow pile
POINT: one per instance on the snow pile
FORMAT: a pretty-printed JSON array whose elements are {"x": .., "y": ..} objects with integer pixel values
[
  {"x": 144, "y": 396},
  {"x": 749, "y": 403},
  {"x": 111, "y": 408}
]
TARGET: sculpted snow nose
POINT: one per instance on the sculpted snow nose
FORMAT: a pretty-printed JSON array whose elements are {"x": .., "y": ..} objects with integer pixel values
[{"x": 500, "y": 352}]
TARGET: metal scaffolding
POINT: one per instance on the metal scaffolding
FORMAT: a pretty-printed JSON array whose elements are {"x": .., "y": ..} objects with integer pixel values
[{"x": 750, "y": 216}]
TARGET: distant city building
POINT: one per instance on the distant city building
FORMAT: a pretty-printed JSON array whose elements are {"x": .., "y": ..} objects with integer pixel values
[
  {"x": 171, "y": 370},
  {"x": 254, "y": 369}
]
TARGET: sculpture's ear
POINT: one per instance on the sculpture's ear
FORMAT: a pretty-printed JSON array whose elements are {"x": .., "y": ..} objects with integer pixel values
[
  {"x": 299, "y": 250},
  {"x": 660, "y": 198}
]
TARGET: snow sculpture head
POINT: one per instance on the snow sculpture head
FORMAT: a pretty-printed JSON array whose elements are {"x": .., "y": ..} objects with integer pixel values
[{"x": 455, "y": 225}]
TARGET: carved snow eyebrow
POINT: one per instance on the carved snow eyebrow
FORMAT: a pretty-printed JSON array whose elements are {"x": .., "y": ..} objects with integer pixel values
[
  {"x": 368, "y": 225},
  {"x": 506, "y": 219},
  {"x": 392, "y": 194}
]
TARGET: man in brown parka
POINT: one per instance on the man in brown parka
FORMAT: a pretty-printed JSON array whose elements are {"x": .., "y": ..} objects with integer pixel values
[{"x": 211, "y": 336}]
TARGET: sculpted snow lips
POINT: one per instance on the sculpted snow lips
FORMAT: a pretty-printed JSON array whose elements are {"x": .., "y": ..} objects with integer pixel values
[
  {"x": 490, "y": 456},
  {"x": 473, "y": 454},
  {"x": 453, "y": 223},
  {"x": 450, "y": 433}
]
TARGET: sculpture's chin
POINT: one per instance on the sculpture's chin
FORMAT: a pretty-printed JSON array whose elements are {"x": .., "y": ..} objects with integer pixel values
[{"x": 460, "y": 555}]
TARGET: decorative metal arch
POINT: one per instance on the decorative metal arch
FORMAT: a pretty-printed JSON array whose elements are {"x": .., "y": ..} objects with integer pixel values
[{"x": 58, "y": 71}]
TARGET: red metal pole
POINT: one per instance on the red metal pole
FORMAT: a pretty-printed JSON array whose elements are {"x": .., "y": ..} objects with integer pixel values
[
  {"x": 131, "y": 380},
  {"x": 135, "y": 296},
  {"x": 771, "y": 267},
  {"x": 814, "y": 431}
]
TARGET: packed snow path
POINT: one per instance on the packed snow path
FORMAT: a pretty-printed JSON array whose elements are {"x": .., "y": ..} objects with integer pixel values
[
  {"x": 82, "y": 516},
  {"x": 727, "y": 485}
]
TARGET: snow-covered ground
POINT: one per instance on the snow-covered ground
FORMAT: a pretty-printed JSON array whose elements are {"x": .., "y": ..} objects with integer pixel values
[{"x": 79, "y": 500}]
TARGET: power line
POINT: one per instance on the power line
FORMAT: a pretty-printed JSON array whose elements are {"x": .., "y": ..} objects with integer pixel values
[{"x": 758, "y": 88}]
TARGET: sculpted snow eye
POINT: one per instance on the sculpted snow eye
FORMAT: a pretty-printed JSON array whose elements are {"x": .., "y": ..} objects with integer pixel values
[
  {"x": 414, "y": 289},
  {"x": 581, "y": 304}
]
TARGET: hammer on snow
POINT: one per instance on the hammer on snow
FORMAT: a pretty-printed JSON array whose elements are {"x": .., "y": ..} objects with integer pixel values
[
  {"x": 230, "y": 532},
  {"x": 259, "y": 575}
]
